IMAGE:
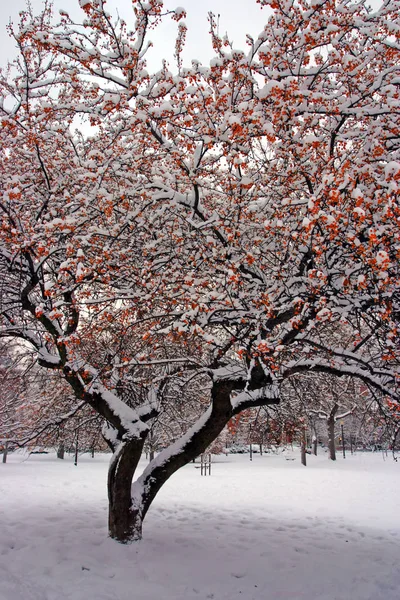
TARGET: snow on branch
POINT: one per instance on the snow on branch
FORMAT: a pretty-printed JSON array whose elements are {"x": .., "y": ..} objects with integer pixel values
[
  {"x": 385, "y": 382},
  {"x": 346, "y": 414},
  {"x": 265, "y": 395},
  {"x": 178, "y": 447},
  {"x": 47, "y": 359},
  {"x": 150, "y": 408},
  {"x": 231, "y": 372},
  {"x": 128, "y": 418}
]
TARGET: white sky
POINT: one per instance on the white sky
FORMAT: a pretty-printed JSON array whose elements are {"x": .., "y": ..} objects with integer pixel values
[{"x": 238, "y": 17}]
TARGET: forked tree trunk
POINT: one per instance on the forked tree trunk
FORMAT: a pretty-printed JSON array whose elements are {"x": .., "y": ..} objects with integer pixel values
[
  {"x": 128, "y": 504},
  {"x": 192, "y": 444},
  {"x": 127, "y": 510},
  {"x": 331, "y": 432}
]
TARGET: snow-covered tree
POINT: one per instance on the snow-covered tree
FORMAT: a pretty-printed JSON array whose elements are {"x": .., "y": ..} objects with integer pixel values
[
  {"x": 12, "y": 386},
  {"x": 328, "y": 400},
  {"x": 229, "y": 211}
]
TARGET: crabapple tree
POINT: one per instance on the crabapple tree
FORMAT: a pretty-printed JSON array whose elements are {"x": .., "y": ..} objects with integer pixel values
[{"x": 220, "y": 216}]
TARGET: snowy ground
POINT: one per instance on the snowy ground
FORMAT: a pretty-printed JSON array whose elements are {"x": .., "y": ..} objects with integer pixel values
[{"x": 266, "y": 530}]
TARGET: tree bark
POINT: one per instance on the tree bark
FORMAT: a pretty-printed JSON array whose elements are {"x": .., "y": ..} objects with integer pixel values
[
  {"x": 151, "y": 444},
  {"x": 304, "y": 448},
  {"x": 129, "y": 504},
  {"x": 331, "y": 432},
  {"x": 5, "y": 452},
  {"x": 314, "y": 438},
  {"x": 61, "y": 451},
  {"x": 185, "y": 449},
  {"x": 124, "y": 518},
  {"x": 315, "y": 445}
]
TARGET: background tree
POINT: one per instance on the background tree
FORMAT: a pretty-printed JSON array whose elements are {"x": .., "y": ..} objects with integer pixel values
[
  {"x": 12, "y": 386},
  {"x": 329, "y": 400}
]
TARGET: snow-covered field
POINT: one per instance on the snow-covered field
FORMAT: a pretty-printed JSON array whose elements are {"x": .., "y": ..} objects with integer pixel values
[{"x": 266, "y": 530}]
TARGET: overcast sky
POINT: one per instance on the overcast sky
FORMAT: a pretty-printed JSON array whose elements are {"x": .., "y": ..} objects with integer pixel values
[{"x": 238, "y": 17}]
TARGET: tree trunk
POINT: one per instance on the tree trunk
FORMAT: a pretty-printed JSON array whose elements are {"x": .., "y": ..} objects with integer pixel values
[
  {"x": 61, "y": 451},
  {"x": 315, "y": 445},
  {"x": 5, "y": 452},
  {"x": 192, "y": 444},
  {"x": 151, "y": 445},
  {"x": 314, "y": 438},
  {"x": 331, "y": 432},
  {"x": 124, "y": 519},
  {"x": 304, "y": 448},
  {"x": 129, "y": 504}
]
